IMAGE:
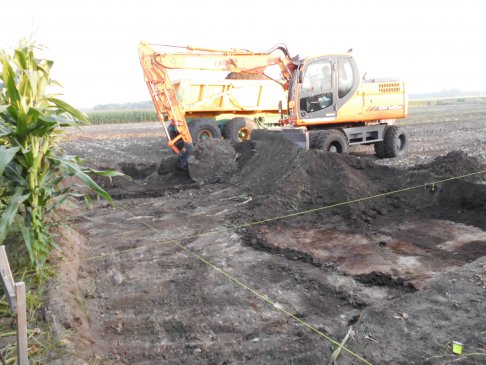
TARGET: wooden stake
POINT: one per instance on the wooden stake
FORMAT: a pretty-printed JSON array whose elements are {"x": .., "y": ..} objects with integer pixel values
[
  {"x": 22, "y": 350},
  {"x": 7, "y": 278}
]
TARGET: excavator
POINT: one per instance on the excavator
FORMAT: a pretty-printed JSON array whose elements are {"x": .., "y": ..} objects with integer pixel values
[{"x": 329, "y": 107}]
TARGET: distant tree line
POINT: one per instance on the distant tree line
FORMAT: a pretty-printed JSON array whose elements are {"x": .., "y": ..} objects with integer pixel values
[{"x": 453, "y": 93}]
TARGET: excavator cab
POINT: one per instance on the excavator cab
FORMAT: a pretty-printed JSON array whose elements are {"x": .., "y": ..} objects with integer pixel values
[{"x": 324, "y": 84}]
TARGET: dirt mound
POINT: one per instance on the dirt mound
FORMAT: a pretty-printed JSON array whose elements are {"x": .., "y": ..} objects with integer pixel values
[
  {"x": 212, "y": 161},
  {"x": 455, "y": 163},
  {"x": 245, "y": 76},
  {"x": 281, "y": 178}
]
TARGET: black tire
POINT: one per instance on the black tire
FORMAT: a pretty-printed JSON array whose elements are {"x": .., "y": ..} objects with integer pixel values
[
  {"x": 380, "y": 149},
  {"x": 202, "y": 129},
  {"x": 395, "y": 141},
  {"x": 238, "y": 129},
  {"x": 329, "y": 141}
]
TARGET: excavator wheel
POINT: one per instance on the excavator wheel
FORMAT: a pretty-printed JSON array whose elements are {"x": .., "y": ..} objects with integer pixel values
[
  {"x": 202, "y": 129},
  {"x": 329, "y": 141},
  {"x": 395, "y": 142},
  {"x": 238, "y": 129},
  {"x": 380, "y": 149}
]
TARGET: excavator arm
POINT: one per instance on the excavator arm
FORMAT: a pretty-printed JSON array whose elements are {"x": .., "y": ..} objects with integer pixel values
[{"x": 155, "y": 67}]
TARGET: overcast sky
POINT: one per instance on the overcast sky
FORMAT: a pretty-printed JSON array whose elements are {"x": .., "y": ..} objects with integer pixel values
[{"x": 430, "y": 44}]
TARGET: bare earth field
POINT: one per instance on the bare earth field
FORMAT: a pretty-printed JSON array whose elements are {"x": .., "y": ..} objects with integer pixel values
[{"x": 279, "y": 253}]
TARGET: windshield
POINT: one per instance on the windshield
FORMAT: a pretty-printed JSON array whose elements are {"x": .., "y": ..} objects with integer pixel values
[{"x": 316, "y": 92}]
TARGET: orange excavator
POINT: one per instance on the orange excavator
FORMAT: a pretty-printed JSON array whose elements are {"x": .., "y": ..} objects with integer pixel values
[{"x": 329, "y": 106}]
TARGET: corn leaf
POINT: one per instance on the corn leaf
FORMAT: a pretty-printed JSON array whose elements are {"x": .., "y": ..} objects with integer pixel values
[
  {"x": 9, "y": 79},
  {"x": 55, "y": 83},
  {"x": 33, "y": 78},
  {"x": 65, "y": 107},
  {"x": 5, "y": 129},
  {"x": 73, "y": 168},
  {"x": 106, "y": 173},
  {"x": 21, "y": 58},
  {"x": 29, "y": 240},
  {"x": 45, "y": 68},
  {"x": 15, "y": 175},
  {"x": 59, "y": 121},
  {"x": 6, "y": 155},
  {"x": 8, "y": 215}
]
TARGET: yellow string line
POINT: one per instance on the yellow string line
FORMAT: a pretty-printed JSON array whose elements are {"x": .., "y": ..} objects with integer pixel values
[{"x": 258, "y": 294}]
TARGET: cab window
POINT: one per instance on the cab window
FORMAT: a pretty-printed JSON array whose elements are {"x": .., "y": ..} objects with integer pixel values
[
  {"x": 345, "y": 77},
  {"x": 317, "y": 77},
  {"x": 316, "y": 89}
]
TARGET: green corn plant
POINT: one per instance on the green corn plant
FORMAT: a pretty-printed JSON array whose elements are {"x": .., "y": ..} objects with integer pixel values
[{"x": 32, "y": 166}]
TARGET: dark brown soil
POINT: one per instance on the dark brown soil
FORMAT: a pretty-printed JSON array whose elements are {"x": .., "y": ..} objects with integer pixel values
[
  {"x": 245, "y": 76},
  {"x": 406, "y": 270}
]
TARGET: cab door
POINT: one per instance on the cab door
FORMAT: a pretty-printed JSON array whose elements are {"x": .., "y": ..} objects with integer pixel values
[{"x": 318, "y": 89}]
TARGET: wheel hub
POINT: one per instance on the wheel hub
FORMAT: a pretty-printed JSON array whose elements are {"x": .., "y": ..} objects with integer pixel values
[
  {"x": 204, "y": 135},
  {"x": 244, "y": 134}
]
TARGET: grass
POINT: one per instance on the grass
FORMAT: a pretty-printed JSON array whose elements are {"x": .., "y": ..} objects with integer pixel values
[
  {"x": 457, "y": 113},
  {"x": 448, "y": 101},
  {"x": 40, "y": 338}
]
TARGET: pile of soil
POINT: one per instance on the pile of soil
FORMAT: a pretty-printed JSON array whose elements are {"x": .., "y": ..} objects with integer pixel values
[
  {"x": 213, "y": 161},
  {"x": 245, "y": 76},
  {"x": 281, "y": 178},
  {"x": 455, "y": 163},
  {"x": 275, "y": 177}
]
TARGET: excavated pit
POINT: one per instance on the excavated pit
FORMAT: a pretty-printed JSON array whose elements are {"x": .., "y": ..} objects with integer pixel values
[
  {"x": 375, "y": 223},
  {"x": 317, "y": 232}
]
